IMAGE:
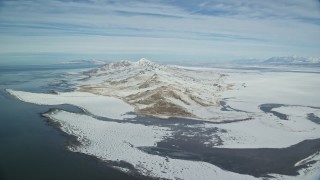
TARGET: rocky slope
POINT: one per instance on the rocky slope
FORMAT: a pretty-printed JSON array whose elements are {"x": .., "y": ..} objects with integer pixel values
[{"x": 161, "y": 90}]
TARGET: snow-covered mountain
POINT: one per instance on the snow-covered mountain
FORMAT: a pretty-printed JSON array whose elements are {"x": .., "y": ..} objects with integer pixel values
[
  {"x": 292, "y": 60},
  {"x": 284, "y": 60},
  {"x": 93, "y": 62},
  {"x": 161, "y": 90}
]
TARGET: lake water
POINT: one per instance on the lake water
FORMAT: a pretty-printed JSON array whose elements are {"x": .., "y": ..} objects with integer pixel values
[{"x": 32, "y": 149}]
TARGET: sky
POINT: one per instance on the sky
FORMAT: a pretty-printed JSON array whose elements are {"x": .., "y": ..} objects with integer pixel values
[{"x": 37, "y": 31}]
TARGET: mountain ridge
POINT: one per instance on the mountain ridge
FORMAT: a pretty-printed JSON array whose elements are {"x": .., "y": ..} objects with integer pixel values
[
  {"x": 280, "y": 60},
  {"x": 160, "y": 90}
]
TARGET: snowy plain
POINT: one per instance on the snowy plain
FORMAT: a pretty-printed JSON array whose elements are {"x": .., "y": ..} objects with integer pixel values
[
  {"x": 116, "y": 141},
  {"x": 104, "y": 106}
]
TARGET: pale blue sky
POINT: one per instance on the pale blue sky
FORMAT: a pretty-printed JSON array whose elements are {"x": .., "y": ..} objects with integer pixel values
[{"x": 33, "y": 31}]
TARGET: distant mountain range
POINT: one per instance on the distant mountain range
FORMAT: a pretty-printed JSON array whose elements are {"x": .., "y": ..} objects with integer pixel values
[
  {"x": 93, "y": 62},
  {"x": 287, "y": 60},
  {"x": 292, "y": 60}
]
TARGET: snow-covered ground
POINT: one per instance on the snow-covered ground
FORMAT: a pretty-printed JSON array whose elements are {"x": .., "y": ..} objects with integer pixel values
[
  {"x": 297, "y": 91},
  {"x": 273, "y": 87},
  {"x": 267, "y": 132},
  {"x": 197, "y": 91},
  {"x": 104, "y": 106},
  {"x": 119, "y": 141}
]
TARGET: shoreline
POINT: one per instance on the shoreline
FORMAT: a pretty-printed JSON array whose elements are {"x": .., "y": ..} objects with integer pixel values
[
  {"x": 170, "y": 147},
  {"x": 72, "y": 143},
  {"x": 229, "y": 153}
]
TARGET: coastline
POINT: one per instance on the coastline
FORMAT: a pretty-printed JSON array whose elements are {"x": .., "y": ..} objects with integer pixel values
[{"x": 99, "y": 131}]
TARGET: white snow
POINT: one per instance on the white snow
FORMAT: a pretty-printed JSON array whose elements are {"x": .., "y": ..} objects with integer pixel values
[
  {"x": 267, "y": 132},
  {"x": 298, "y": 90},
  {"x": 105, "y": 106},
  {"x": 273, "y": 87},
  {"x": 119, "y": 141}
]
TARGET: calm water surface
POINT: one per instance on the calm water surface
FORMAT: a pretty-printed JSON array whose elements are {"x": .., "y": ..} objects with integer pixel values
[{"x": 32, "y": 149}]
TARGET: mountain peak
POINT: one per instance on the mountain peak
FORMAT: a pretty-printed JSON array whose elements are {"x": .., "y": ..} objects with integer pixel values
[
  {"x": 156, "y": 89},
  {"x": 144, "y": 61}
]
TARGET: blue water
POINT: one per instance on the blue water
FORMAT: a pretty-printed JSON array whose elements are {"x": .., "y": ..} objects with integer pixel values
[{"x": 32, "y": 149}]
